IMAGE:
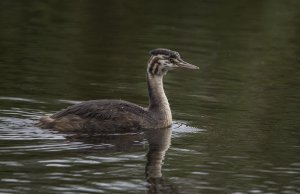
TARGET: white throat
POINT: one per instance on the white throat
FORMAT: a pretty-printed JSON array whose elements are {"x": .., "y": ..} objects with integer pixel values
[{"x": 158, "y": 102}]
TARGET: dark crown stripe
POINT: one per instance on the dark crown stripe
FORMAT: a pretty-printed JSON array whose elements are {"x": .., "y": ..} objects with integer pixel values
[{"x": 163, "y": 51}]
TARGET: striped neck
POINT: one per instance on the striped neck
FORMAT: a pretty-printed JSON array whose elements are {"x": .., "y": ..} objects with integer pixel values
[{"x": 158, "y": 102}]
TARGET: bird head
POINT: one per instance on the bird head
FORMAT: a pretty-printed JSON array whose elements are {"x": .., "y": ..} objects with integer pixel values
[{"x": 163, "y": 60}]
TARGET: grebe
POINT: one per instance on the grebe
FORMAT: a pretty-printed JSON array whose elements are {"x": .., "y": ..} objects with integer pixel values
[{"x": 121, "y": 116}]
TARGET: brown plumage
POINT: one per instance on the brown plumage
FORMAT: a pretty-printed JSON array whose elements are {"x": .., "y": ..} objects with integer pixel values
[{"x": 117, "y": 116}]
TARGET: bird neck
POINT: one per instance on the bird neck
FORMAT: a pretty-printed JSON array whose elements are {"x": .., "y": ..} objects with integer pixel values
[{"x": 158, "y": 102}]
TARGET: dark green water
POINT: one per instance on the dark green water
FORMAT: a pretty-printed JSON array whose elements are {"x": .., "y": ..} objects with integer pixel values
[{"x": 236, "y": 120}]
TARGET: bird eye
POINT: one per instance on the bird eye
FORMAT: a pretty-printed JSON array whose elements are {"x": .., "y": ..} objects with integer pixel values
[{"x": 171, "y": 60}]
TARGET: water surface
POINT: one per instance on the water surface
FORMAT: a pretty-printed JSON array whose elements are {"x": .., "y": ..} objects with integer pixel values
[{"x": 236, "y": 120}]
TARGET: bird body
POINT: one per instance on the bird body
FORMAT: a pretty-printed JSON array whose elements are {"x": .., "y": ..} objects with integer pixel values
[
  {"x": 100, "y": 115},
  {"x": 118, "y": 116}
]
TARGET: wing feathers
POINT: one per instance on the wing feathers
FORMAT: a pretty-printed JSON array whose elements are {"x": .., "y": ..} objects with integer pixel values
[{"x": 101, "y": 109}]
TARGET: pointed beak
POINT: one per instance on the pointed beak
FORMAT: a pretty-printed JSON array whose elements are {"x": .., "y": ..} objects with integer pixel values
[{"x": 184, "y": 65}]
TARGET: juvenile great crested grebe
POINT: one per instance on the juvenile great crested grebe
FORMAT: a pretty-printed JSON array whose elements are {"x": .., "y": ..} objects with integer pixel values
[{"x": 121, "y": 116}]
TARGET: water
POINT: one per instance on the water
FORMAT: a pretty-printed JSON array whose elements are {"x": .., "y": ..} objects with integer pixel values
[{"x": 236, "y": 120}]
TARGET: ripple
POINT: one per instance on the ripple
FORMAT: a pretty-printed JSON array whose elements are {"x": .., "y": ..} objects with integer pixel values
[
  {"x": 76, "y": 188},
  {"x": 200, "y": 173},
  {"x": 70, "y": 160},
  {"x": 180, "y": 128},
  {"x": 15, "y": 180},
  {"x": 69, "y": 101},
  {"x": 10, "y": 163},
  {"x": 22, "y": 129},
  {"x": 21, "y": 113},
  {"x": 49, "y": 147},
  {"x": 19, "y": 99},
  {"x": 121, "y": 185},
  {"x": 58, "y": 165}
]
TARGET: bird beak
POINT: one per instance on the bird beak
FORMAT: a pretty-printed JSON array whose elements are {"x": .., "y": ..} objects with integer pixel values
[{"x": 184, "y": 65}]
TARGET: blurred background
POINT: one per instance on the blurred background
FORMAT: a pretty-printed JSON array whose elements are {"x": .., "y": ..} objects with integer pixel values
[{"x": 236, "y": 120}]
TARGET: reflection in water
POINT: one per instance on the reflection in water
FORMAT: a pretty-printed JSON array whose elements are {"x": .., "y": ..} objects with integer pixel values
[{"x": 158, "y": 140}]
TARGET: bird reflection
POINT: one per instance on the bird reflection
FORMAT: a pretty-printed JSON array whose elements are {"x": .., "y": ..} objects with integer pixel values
[{"x": 159, "y": 141}]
